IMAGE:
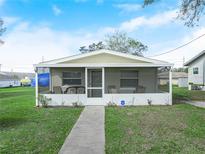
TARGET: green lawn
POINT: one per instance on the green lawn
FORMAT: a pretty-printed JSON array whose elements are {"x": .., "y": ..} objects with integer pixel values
[
  {"x": 185, "y": 94},
  {"x": 155, "y": 129},
  {"x": 26, "y": 129},
  {"x": 149, "y": 129}
]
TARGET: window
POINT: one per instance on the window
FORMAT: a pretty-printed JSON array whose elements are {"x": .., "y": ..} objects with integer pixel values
[
  {"x": 72, "y": 78},
  {"x": 129, "y": 79},
  {"x": 195, "y": 70}
]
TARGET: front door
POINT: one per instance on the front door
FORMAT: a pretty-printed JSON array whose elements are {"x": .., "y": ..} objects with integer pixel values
[{"x": 94, "y": 86}]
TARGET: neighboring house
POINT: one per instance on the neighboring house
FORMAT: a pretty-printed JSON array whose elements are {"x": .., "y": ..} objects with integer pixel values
[
  {"x": 8, "y": 80},
  {"x": 178, "y": 78},
  {"x": 196, "y": 72},
  {"x": 103, "y": 77},
  {"x": 12, "y": 79}
]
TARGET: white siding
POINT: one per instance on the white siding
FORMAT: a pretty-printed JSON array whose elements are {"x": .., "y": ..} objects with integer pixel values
[
  {"x": 129, "y": 99},
  {"x": 197, "y": 78},
  {"x": 103, "y": 58}
]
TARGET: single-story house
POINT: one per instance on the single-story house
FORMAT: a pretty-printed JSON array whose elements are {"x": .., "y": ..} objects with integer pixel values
[
  {"x": 196, "y": 72},
  {"x": 7, "y": 80},
  {"x": 103, "y": 77},
  {"x": 178, "y": 78}
]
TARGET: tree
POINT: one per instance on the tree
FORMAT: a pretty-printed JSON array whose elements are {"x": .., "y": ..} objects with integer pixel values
[
  {"x": 180, "y": 69},
  {"x": 118, "y": 42},
  {"x": 190, "y": 11},
  {"x": 121, "y": 42},
  {"x": 2, "y": 30},
  {"x": 92, "y": 47}
]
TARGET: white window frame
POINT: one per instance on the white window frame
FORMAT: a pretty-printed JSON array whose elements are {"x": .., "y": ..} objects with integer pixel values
[
  {"x": 72, "y": 77},
  {"x": 195, "y": 70},
  {"x": 129, "y": 78}
]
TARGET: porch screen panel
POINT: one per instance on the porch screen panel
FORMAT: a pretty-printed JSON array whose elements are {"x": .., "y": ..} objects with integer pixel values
[
  {"x": 130, "y": 80},
  {"x": 94, "y": 92},
  {"x": 43, "y": 80},
  {"x": 163, "y": 79},
  {"x": 94, "y": 81},
  {"x": 126, "y": 83}
]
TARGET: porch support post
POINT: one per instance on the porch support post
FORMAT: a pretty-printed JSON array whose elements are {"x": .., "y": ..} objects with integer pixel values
[
  {"x": 103, "y": 81},
  {"x": 86, "y": 81},
  {"x": 50, "y": 81},
  {"x": 36, "y": 78},
  {"x": 170, "y": 85}
]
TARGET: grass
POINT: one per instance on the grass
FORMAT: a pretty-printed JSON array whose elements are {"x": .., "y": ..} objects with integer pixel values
[
  {"x": 26, "y": 129},
  {"x": 149, "y": 129},
  {"x": 185, "y": 94},
  {"x": 155, "y": 129}
]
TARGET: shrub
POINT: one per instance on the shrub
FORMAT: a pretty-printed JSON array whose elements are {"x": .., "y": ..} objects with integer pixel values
[
  {"x": 149, "y": 101},
  {"x": 112, "y": 104},
  {"x": 77, "y": 104},
  {"x": 44, "y": 100}
]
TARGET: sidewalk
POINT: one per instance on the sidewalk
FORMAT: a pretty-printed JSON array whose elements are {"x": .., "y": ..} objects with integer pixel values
[
  {"x": 197, "y": 103},
  {"x": 87, "y": 135}
]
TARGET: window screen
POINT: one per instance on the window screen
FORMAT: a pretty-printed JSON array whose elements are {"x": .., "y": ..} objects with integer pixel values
[
  {"x": 129, "y": 79},
  {"x": 71, "y": 74},
  {"x": 72, "y": 78},
  {"x": 129, "y": 74}
]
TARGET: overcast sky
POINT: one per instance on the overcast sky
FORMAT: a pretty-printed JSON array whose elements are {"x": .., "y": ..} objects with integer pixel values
[{"x": 54, "y": 29}]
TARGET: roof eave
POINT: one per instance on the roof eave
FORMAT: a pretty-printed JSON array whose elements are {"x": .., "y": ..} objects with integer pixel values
[
  {"x": 194, "y": 58},
  {"x": 105, "y": 65},
  {"x": 60, "y": 60}
]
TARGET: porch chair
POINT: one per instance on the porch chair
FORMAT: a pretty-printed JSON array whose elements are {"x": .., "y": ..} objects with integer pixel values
[
  {"x": 81, "y": 90},
  {"x": 71, "y": 90},
  {"x": 112, "y": 89},
  {"x": 57, "y": 90}
]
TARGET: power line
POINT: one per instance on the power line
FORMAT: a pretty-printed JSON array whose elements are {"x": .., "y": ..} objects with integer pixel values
[{"x": 172, "y": 50}]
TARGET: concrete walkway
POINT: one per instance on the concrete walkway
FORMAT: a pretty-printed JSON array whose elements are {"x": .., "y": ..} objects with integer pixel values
[
  {"x": 87, "y": 135},
  {"x": 197, "y": 103}
]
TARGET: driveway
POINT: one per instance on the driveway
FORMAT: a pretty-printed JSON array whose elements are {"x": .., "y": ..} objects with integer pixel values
[{"x": 87, "y": 135}]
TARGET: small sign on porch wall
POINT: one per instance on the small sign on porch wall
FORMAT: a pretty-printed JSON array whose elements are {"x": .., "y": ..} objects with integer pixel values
[{"x": 122, "y": 102}]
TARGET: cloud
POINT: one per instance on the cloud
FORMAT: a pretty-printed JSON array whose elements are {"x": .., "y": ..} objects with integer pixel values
[
  {"x": 56, "y": 10},
  {"x": 153, "y": 21},
  {"x": 25, "y": 45},
  {"x": 134, "y": 24},
  {"x": 186, "y": 52},
  {"x": 128, "y": 7}
]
